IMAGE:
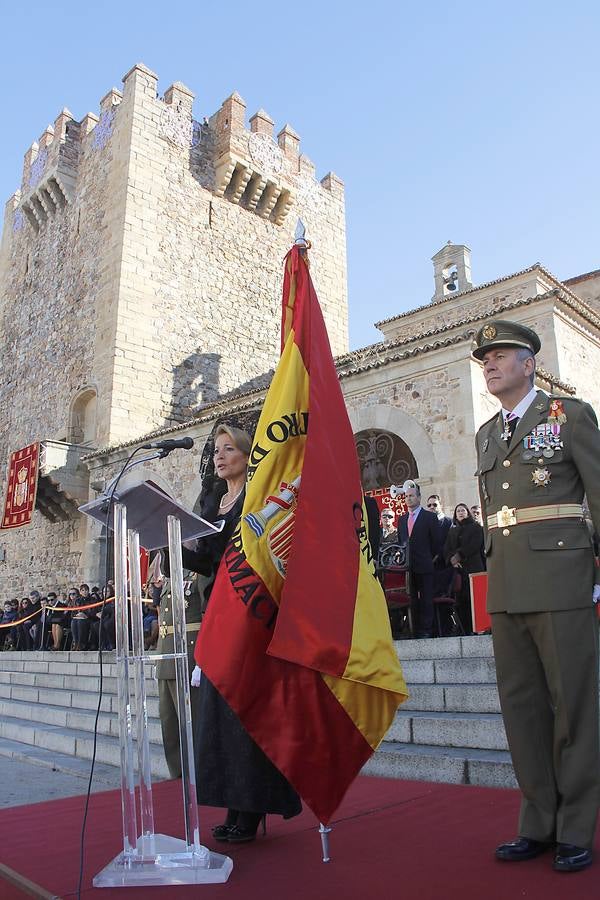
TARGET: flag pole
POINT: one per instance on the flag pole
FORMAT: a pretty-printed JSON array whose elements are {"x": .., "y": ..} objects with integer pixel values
[
  {"x": 324, "y": 831},
  {"x": 304, "y": 244}
]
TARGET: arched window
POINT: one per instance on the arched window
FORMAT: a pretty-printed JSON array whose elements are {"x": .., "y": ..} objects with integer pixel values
[
  {"x": 384, "y": 459},
  {"x": 82, "y": 418}
]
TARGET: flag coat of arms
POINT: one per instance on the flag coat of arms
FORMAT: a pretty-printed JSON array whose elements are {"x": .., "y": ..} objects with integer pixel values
[{"x": 296, "y": 637}]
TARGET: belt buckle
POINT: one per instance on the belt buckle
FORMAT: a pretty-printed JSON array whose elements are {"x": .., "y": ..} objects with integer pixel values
[{"x": 506, "y": 517}]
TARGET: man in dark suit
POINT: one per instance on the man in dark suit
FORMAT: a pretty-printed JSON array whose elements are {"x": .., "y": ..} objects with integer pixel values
[
  {"x": 434, "y": 504},
  {"x": 536, "y": 458},
  {"x": 442, "y": 572},
  {"x": 420, "y": 529}
]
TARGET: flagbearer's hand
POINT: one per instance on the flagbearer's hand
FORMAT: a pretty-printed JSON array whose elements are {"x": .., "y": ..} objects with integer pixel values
[
  {"x": 596, "y": 594},
  {"x": 196, "y": 674}
]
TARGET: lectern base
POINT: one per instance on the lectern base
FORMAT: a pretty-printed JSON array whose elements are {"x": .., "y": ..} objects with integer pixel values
[{"x": 161, "y": 859}]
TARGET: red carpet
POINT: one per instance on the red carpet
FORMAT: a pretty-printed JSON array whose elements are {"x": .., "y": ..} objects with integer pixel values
[{"x": 392, "y": 840}]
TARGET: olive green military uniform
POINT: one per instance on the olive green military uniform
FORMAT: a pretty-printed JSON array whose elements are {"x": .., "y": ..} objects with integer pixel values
[
  {"x": 541, "y": 575},
  {"x": 165, "y": 669}
]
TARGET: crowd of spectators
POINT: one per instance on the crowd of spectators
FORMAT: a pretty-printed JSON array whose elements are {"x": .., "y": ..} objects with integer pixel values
[
  {"x": 80, "y": 618},
  {"x": 454, "y": 550}
]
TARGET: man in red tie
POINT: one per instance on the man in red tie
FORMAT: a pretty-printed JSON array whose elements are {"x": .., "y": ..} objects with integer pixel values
[{"x": 420, "y": 529}]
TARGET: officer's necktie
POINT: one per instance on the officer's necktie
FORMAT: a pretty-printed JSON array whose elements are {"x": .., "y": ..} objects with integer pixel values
[
  {"x": 509, "y": 427},
  {"x": 411, "y": 521}
]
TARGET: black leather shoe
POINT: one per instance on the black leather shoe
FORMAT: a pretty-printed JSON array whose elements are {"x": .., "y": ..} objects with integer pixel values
[
  {"x": 221, "y": 832},
  {"x": 570, "y": 858},
  {"x": 520, "y": 849}
]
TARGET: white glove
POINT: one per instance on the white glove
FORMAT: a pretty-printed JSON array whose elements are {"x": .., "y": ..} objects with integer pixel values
[
  {"x": 596, "y": 594},
  {"x": 197, "y": 674}
]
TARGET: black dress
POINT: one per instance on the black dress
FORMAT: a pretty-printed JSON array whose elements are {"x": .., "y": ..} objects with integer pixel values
[
  {"x": 467, "y": 540},
  {"x": 231, "y": 769}
]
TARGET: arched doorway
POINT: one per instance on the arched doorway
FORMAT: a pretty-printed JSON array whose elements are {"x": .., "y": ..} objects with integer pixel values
[{"x": 384, "y": 459}]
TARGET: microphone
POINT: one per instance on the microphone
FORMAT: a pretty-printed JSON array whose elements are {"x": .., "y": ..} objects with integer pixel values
[{"x": 185, "y": 443}]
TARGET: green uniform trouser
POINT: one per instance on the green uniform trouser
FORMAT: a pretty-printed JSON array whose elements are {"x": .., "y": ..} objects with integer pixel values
[
  {"x": 547, "y": 668},
  {"x": 169, "y": 722}
]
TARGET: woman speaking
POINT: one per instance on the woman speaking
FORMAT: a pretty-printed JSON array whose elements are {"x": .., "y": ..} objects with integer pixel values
[{"x": 231, "y": 769}]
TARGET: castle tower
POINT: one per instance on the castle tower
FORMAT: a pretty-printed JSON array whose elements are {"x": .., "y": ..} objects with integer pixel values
[
  {"x": 451, "y": 270},
  {"x": 141, "y": 267},
  {"x": 148, "y": 249}
]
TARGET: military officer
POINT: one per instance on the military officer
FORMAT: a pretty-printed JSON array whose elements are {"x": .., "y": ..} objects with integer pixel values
[
  {"x": 165, "y": 668},
  {"x": 537, "y": 457}
]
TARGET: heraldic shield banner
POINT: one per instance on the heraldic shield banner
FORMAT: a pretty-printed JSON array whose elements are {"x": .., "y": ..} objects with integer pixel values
[
  {"x": 296, "y": 637},
  {"x": 22, "y": 487}
]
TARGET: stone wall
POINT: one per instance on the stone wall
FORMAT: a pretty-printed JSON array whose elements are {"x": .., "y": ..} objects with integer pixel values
[
  {"x": 579, "y": 357},
  {"x": 200, "y": 291},
  {"x": 128, "y": 268}
]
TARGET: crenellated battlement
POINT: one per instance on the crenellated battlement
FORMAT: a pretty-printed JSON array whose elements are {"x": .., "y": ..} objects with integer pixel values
[
  {"x": 249, "y": 166},
  {"x": 263, "y": 175},
  {"x": 50, "y": 165}
]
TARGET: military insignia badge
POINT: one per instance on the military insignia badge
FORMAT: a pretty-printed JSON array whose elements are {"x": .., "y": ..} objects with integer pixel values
[
  {"x": 540, "y": 477},
  {"x": 489, "y": 332},
  {"x": 557, "y": 412},
  {"x": 544, "y": 438},
  {"x": 486, "y": 444}
]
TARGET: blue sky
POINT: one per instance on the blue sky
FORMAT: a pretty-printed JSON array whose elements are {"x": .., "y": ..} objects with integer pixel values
[{"x": 471, "y": 121}]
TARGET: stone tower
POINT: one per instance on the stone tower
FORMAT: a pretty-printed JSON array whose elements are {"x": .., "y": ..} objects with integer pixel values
[{"x": 141, "y": 270}]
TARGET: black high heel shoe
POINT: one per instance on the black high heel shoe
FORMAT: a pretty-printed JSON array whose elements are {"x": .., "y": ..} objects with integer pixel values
[
  {"x": 246, "y": 827},
  {"x": 222, "y": 832}
]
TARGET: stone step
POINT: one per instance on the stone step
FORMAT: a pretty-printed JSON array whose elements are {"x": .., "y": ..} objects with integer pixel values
[
  {"x": 75, "y": 742},
  {"x": 104, "y": 774},
  {"x": 474, "y": 670},
  {"x": 491, "y": 768},
  {"x": 453, "y": 698},
  {"x": 483, "y": 731},
  {"x": 66, "y": 698},
  {"x": 71, "y": 682},
  {"x": 83, "y": 663},
  {"x": 68, "y": 718}
]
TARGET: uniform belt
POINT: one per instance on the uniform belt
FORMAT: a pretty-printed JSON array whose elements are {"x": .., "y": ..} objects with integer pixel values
[
  {"x": 511, "y": 516},
  {"x": 190, "y": 626}
]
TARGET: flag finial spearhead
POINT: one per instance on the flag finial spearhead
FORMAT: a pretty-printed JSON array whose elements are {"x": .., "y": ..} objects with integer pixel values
[{"x": 301, "y": 241}]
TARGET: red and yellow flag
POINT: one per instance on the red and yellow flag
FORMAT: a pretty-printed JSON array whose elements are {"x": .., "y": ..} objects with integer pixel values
[{"x": 297, "y": 637}]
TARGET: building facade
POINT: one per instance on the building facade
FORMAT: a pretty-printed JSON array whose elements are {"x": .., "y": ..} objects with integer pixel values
[{"x": 140, "y": 286}]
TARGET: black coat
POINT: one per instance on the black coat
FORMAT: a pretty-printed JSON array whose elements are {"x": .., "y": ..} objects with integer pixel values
[
  {"x": 466, "y": 540},
  {"x": 424, "y": 543},
  {"x": 231, "y": 769}
]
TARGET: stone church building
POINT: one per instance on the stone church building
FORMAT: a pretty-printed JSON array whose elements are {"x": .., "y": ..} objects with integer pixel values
[{"x": 140, "y": 289}]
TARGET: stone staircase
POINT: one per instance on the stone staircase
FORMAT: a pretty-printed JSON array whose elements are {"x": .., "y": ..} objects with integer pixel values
[
  {"x": 450, "y": 730},
  {"x": 48, "y": 705}
]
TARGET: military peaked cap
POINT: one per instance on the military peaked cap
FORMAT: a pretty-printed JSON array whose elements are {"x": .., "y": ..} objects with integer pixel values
[{"x": 500, "y": 333}]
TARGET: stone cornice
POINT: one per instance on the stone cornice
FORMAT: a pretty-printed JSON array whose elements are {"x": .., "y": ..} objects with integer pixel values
[
  {"x": 560, "y": 293},
  {"x": 209, "y": 412},
  {"x": 480, "y": 287},
  {"x": 372, "y": 357},
  {"x": 546, "y": 376}
]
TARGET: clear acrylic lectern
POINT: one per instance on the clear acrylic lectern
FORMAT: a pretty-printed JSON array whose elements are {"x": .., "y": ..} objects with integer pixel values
[{"x": 149, "y": 858}]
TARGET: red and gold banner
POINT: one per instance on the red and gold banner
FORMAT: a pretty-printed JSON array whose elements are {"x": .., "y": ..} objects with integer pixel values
[
  {"x": 22, "y": 487},
  {"x": 384, "y": 500},
  {"x": 296, "y": 637}
]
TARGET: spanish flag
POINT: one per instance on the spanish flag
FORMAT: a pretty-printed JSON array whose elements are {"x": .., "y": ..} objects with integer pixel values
[{"x": 297, "y": 637}]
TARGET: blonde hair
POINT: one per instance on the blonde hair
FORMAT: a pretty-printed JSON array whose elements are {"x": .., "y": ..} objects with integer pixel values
[{"x": 240, "y": 438}]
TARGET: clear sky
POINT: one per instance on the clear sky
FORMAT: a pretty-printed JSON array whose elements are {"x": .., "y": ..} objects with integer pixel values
[{"x": 472, "y": 121}]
